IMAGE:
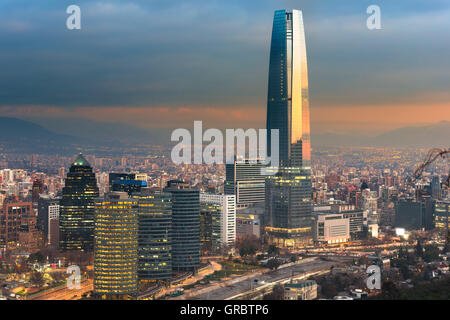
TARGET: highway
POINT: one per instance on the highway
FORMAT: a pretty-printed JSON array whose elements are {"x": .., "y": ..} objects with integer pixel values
[
  {"x": 225, "y": 292},
  {"x": 65, "y": 293}
]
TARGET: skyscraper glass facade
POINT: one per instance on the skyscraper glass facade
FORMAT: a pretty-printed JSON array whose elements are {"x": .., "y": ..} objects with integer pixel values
[
  {"x": 155, "y": 247},
  {"x": 288, "y": 220},
  {"x": 77, "y": 207},
  {"x": 116, "y": 247},
  {"x": 185, "y": 226},
  {"x": 244, "y": 180}
]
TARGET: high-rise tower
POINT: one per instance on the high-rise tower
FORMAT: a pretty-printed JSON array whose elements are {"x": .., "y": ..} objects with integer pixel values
[
  {"x": 116, "y": 246},
  {"x": 288, "y": 217},
  {"x": 77, "y": 207}
]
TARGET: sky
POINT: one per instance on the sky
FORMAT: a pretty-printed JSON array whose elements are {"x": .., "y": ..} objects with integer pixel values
[{"x": 163, "y": 64}]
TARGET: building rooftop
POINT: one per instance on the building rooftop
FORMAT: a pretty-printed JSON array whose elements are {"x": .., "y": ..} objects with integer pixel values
[{"x": 80, "y": 161}]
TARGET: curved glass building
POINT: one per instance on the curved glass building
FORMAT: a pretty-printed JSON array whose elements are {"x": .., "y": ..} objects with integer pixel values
[
  {"x": 155, "y": 223},
  {"x": 288, "y": 220},
  {"x": 116, "y": 247}
]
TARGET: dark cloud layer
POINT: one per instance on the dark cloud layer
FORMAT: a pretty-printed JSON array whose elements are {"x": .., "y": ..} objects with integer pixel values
[{"x": 207, "y": 53}]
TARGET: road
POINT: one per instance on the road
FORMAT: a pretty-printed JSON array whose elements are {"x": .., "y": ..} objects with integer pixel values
[
  {"x": 65, "y": 293},
  {"x": 239, "y": 287},
  {"x": 199, "y": 276}
]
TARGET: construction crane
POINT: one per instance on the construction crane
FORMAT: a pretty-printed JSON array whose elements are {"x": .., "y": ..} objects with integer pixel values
[{"x": 432, "y": 155}]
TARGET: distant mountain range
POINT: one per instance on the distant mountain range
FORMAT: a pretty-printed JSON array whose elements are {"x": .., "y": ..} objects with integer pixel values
[
  {"x": 69, "y": 135},
  {"x": 433, "y": 135}
]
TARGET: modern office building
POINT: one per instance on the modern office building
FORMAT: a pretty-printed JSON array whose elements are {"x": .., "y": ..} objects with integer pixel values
[
  {"x": 154, "y": 236},
  {"x": 77, "y": 207},
  {"x": 288, "y": 220},
  {"x": 300, "y": 290},
  {"x": 358, "y": 219},
  {"x": 436, "y": 188},
  {"x": 53, "y": 225},
  {"x": 245, "y": 181},
  {"x": 117, "y": 176},
  {"x": 331, "y": 228},
  {"x": 185, "y": 226},
  {"x": 408, "y": 214},
  {"x": 44, "y": 203},
  {"x": 210, "y": 226},
  {"x": 36, "y": 189},
  {"x": 249, "y": 221},
  {"x": 14, "y": 215},
  {"x": 227, "y": 205},
  {"x": 441, "y": 215},
  {"x": 116, "y": 247},
  {"x": 128, "y": 186}
]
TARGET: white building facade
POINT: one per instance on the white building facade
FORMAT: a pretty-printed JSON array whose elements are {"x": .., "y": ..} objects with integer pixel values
[{"x": 228, "y": 216}]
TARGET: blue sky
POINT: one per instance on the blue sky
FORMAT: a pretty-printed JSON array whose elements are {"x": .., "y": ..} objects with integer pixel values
[{"x": 167, "y": 63}]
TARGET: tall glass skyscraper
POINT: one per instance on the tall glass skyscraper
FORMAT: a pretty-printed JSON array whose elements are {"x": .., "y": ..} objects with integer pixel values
[
  {"x": 288, "y": 220},
  {"x": 155, "y": 247},
  {"x": 77, "y": 207},
  {"x": 185, "y": 226}
]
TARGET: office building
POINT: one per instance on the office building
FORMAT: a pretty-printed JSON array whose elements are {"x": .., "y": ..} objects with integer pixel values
[
  {"x": 117, "y": 176},
  {"x": 436, "y": 188},
  {"x": 44, "y": 204},
  {"x": 210, "y": 226},
  {"x": 331, "y": 228},
  {"x": 408, "y": 214},
  {"x": 116, "y": 247},
  {"x": 288, "y": 220},
  {"x": 358, "y": 219},
  {"x": 300, "y": 290},
  {"x": 249, "y": 221},
  {"x": 77, "y": 207},
  {"x": 154, "y": 236},
  {"x": 128, "y": 186},
  {"x": 441, "y": 215},
  {"x": 36, "y": 189},
  {"x": 15, "y": 214},
  {"x": 245, "y": 181},
  {"x": 227, "y": 204},
  {"x": 185, "y": 226},
  {"x": 53, "y": 225}
]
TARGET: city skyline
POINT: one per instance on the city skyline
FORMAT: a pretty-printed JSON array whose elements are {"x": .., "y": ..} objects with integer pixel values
[{"x": 93, "y": 206}]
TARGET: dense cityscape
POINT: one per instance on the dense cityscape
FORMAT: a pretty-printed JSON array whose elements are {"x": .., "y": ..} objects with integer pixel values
[{"x": 126, "y": 222}]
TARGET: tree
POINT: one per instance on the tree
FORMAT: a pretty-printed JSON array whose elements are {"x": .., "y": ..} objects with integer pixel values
[
  {"x": 36, "y": 257},
  {"x": 273, "y": 249},
  {"x": 431, "y": 253},
  {"x": 276, "y": 294},
  {"x": 329, "y": 289},
  {"x": 389, "y": 291},
  {"x": 419, "y": 249},
  {"x": 37, "y": 279},
  {"x": 273, "y": 264}
]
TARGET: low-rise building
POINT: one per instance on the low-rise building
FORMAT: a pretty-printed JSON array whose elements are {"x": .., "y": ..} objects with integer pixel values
[{"x": 301, "y": 290}]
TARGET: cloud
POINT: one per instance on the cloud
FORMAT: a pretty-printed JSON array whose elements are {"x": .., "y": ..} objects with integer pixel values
[{"x": 211, "y": 58}]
